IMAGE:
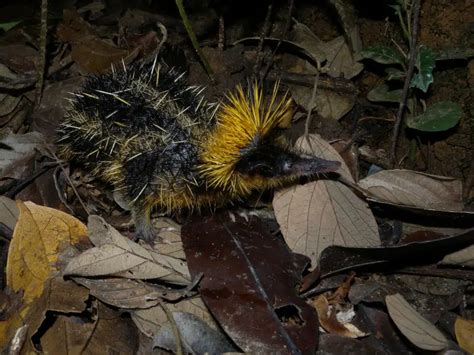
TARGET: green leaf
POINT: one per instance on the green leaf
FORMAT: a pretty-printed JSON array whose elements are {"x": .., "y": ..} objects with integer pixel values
[
  {"x": 437, "y": 118},
  {"x": 382, "y": 93},
  {"x": 394, "y": 74},
  {"x": 383, "y": 55},
  {"x": 425, "y": 63},
  {"x": 6, "y": 26}
]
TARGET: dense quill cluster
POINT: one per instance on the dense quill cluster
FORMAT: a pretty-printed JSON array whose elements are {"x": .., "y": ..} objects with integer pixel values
[{"x": 160, "y": 143}]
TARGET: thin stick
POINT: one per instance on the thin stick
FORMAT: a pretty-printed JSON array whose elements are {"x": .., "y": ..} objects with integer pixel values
[
  {"x": 263, "y": 34},
  {"x": 311, "y": 103},
  {"x": 193, "y": 38},
  {"x": 406, "y": 85},
  {"x": 42, "y": 52}
]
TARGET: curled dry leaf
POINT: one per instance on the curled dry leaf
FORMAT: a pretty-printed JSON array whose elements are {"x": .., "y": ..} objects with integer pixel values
[
  {"x": 323, "y": 212},
  {"x": 330, "y": 323},
  {"x": 412, "y": 188},
  {"x": 119, "y": 256},
  {"x": 413, "y": 325}
]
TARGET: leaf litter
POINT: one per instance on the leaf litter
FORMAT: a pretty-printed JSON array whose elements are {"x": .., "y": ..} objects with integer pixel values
[{"x": 75, "y": 289}]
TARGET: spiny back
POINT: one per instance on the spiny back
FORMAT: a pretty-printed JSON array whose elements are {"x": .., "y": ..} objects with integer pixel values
[{"x": 138, "y": 127}]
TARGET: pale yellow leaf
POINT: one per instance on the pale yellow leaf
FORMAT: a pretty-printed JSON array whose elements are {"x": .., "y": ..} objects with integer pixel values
[
  {"x": 413, "y": 325},
  {"x": 323, "y": 212},
  {"x": 412, "y": 188}
]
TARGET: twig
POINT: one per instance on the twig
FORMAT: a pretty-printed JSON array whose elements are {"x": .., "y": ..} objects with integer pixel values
[
  {"x": 311, "y": 105},
  {"x": 406, "y": 85},
  {"x": 284, "y": 36},
  {"x": 174, "y": 328},
  {"x": 42, "y": 52},
  {"x": 263, "y": 34},
  {"x": 193, "y": 38},
  {"x": 221, "y": 40}
]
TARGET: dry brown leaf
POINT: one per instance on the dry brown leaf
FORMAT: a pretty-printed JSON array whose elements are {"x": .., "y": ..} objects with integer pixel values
[
  {"x": 40, "y": 234},
  {"x": 323, "y": 212},
  {"x": 412, "y": 188},
  {"x": 330, "y": 323},
  {"x": 327, "y": 103},
  {"x": 130, "y": 294},
  {"x": 119, "y": 256},
  {"x": 413, "y": 325},
  {"x": 464, "y": 257},
  {"x": 169, "y": 233},
  {"x": 150, "y": 320},
  {"x": 8, "y": 212},
  {"x": 464, "y": 330}
]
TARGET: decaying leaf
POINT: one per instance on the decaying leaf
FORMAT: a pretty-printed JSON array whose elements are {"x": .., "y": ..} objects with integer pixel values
[
  {"x": 412, "y": 188},
  {"x": 8, "y": 212},
  {"x": 196, "y": 336},
  {"x": 463, "y": 257},
  {"x": 330, "y": 323},
  {"x": 249, "y": 283},
  {"x": 464, "y": 330},
  {"x": 415, "y": 327},
  {"x": 12, "y": 161},
  {"x": 39, "y": 235},
  {"x": 108, "y": 329},
  {"x": 87, "y": 48},
  {"x": 150, "y": 320},
  {"x": 127, "y": 294},
  {"x": 119, "y": 256},
  {"x": 323, "y": 212}
]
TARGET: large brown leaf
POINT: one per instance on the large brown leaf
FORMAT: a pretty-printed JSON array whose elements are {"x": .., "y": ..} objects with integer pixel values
[{"x": 249, "y": 284}]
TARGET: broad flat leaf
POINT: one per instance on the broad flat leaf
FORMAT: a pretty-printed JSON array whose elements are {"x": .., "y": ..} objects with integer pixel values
[
  {"x": 464, "y": 257},
  {"x": 336, "y": 258},
  {"x": 196, "y": 336},
  {"x": 304, "y": 37},
  {"x": 39, "y": 235},
  {"x": 395, "y": 74},
  {"x": 464, "y": 330},
  {"x": 327, "y": 103},
  {"x": 249, "y": 283},
  {"x": 150, "y": 320},
  {"x": 119, "y": 256},
  {"x": 321, "y": 213},
  {"x": 339, "y": 61},
  {"x": 8, "y": 212},
  {"x": 383, "y": 55},
  {"x": 425, "y": 63},
  {"x": 22, "y": 149},
  {"x": 415, "y": 327},
  {"x": 108, "y": 329},
  {"x": 124, "y": 293},
  {"x": 438, "y": 117},
  {"x": 412, "y": 188},
  {"x": 382, "y": 93}
]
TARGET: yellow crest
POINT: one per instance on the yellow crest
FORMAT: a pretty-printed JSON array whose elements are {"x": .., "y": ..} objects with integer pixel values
[{"x": 241, "y": 121}]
